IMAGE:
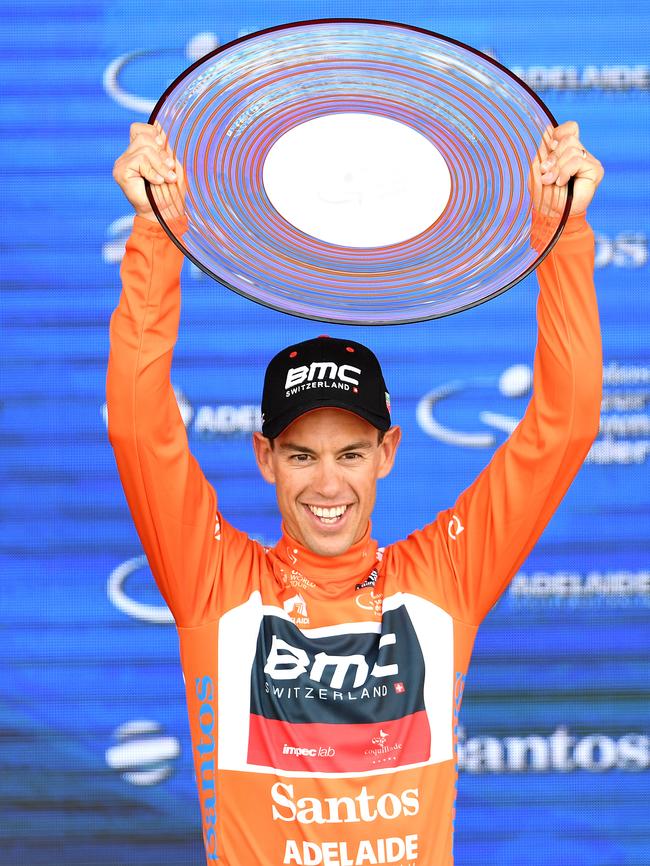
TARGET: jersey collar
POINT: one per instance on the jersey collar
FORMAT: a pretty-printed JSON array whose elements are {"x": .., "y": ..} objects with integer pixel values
[{"x": 330, "y": 573}]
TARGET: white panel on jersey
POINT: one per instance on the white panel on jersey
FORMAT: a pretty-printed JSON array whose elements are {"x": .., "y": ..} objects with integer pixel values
[
  {"x": 238, "y": 631},
  {"x": 435, "y": 631}
]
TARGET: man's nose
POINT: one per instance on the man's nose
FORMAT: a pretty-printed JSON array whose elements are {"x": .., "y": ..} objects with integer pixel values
[{"x": 327, "y": 479}]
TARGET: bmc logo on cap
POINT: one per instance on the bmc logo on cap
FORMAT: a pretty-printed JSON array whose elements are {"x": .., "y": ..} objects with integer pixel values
[{"x": 321, "y": 370}]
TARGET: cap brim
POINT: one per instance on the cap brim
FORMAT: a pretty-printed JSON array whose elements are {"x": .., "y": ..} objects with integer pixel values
[{"x": 274, "y": 427}]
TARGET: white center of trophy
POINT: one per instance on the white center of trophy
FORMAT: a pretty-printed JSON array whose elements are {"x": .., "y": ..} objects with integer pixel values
[{"x": 358, "y": 180}]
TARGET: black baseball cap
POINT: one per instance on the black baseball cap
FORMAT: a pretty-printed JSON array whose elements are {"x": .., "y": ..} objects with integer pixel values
[{"x": 324, "y": 371}]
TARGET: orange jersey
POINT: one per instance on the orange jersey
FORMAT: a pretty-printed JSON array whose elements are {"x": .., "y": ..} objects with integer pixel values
[{"x": 323, "y": 693}]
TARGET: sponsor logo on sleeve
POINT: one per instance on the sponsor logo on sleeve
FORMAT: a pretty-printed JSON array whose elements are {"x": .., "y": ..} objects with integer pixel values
[
  {"x": 206, "y": 761},
  {"x": 455, "y": 527}
]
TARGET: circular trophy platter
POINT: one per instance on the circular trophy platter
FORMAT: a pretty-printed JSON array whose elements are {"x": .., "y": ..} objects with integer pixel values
[{"x": 358, "y": 171}]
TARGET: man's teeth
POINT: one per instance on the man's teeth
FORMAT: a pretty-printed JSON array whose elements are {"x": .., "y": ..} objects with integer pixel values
[{"x": 328, "y": 515}]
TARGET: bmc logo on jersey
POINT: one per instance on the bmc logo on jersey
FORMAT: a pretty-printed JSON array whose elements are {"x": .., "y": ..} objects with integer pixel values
[
  {"x": 287, "y": 662},
  {"x": 304, "y": 680},
  {"x": 321, "y": 370}
]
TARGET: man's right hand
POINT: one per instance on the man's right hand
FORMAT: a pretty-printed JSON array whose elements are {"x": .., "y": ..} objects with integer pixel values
[{"x": 148, "y": 157}]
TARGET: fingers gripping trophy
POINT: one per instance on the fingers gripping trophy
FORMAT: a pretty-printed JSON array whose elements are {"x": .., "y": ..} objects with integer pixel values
[
  {"x": 148, "y": 159},
  {"x": 355, "y": 172}
]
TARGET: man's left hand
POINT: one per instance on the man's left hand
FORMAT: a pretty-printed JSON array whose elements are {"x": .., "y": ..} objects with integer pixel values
[{"x": 566, "y": 157}]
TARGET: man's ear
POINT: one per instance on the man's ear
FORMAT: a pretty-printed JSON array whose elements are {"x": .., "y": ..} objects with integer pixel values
[
  {"x": 388, "y": 450},
  {"x": 264, "y": 456}
]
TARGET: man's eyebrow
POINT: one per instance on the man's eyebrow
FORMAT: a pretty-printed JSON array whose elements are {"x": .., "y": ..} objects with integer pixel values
[
  {"x": 292, "y": 446},
  {"x": 361, "y": 445}
]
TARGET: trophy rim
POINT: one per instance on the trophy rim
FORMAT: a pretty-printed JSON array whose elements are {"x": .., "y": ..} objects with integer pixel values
[{"x": 347, "y": 321}]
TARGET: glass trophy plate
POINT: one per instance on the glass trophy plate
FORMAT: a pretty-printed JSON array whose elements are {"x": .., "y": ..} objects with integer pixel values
[{"x": 358, "y": 171}]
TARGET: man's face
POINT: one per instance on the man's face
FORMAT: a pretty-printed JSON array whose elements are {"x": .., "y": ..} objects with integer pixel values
[{"x": 325, "y": 467}]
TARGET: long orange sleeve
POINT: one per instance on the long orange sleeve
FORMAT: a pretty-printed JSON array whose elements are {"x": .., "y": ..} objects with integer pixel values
[
  {"x": 172, "y": 504},
  {"x": 496, "y": 521}
]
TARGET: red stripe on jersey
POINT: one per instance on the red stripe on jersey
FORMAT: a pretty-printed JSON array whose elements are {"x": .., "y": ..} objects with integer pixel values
[{"x": 341, "y": 748}]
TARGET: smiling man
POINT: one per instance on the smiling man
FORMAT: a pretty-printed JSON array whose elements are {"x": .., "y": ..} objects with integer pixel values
[
  {"x": 324, "y": 676},
  {"x": 326, "y": 403}
]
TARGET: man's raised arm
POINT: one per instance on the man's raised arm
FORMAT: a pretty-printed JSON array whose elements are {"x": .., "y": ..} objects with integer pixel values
[
  {"x": 496, "y": 521},
  {"x": 172, "y": 504}
]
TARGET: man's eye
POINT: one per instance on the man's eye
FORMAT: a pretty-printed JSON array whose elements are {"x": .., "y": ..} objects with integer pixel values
[
  {"x": 352, "y": 455},
  {"x": 300, "y": 458}
]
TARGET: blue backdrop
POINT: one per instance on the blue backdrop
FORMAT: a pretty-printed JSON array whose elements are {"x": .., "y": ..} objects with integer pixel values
[{"x": 96, "y": 764}]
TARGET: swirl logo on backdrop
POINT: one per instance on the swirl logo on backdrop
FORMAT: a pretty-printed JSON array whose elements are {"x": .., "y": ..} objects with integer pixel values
[
  {"x": 136, "y": 79},
  {"x": 130, "y": 588},
  {"x": 442, "y": 412},
  {"x": 446, "y": 412}
]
